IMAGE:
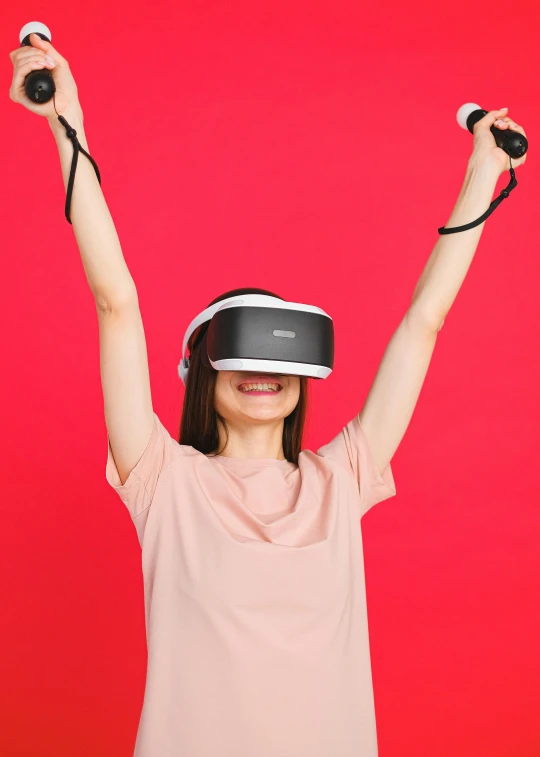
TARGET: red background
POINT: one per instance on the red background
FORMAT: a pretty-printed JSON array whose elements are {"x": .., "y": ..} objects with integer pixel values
[{"x": 310, "y": 148}]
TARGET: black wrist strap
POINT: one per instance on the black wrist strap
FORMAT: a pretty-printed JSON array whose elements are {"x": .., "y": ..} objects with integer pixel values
[
  {"x": 503, "y": 195},
  {"x": 72, "y": 134}
]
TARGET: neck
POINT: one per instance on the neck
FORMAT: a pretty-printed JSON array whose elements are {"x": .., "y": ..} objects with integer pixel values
[{"x": 251, "y": 439}]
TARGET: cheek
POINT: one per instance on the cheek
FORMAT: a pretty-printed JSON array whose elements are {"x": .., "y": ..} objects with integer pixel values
[
  {"x": 293, "y": 394},
  {"x": 225, "y": 401},
  {"x": 220, "y": 396}
]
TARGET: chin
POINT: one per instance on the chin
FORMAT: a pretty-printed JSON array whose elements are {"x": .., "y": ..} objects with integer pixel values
[{"x": 264, "y": 414}]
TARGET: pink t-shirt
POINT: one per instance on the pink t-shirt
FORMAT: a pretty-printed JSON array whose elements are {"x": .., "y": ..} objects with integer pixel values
[{"x": 255, "y": 602}]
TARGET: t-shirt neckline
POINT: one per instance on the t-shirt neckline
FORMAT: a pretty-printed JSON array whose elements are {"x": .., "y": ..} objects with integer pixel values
[{"x": 263, "y": 461}]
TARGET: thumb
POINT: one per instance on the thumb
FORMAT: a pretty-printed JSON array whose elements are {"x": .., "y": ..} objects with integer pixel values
[
  {"x": 36, "y": 41},
  {"x": 42, "y": 44}
]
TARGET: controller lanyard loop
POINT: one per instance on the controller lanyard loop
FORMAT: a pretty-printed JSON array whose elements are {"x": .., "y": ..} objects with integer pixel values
[
  {"x": 502, "y": 196},
  {"x": 72, "y": 134}
]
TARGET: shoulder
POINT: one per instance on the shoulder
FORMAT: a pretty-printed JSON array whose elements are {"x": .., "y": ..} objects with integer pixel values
[
  {"x": 167, "y": 450},
  {"x": 323, "y": 461}
]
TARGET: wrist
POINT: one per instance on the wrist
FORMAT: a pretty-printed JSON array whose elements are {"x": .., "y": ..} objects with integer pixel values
[
  {"x": 73, "y": 115},
  {"x": 482, "y": 170}
]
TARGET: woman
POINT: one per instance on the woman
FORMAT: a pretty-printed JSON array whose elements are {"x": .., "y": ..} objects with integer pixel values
[{"x": 252, "y": 555}]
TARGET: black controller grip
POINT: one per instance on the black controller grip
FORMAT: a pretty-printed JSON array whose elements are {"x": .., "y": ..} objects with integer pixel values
[
  {"x": 512, "y": 142},
  {"x": 39, "y": 85}
]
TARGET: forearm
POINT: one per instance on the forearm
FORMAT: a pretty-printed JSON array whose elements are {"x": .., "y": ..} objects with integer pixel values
[
  {"x": 452, "y": 255},
  {"x": 106, "y": 270}
]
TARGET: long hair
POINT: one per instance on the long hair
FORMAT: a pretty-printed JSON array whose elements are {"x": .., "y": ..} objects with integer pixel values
[{"x": 199, "y": 425}]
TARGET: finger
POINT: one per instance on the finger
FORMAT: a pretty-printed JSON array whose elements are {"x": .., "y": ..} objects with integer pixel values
[
  {"x": 47, "y": 48},
  {"x": 489, "y": 119},
  {"x": 21, "y": 72},
  {"x": 516, "y": 127},
  {"x": 31, "y": 54},
  {"x": 511, "y": 125},
  {"x": 40, "y": 60},
  {"x": 36, "y": 41},
  {"x": 25, "y": 52}
]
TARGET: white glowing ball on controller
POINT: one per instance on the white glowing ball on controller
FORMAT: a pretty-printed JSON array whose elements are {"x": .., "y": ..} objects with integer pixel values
[
  {"x": 464, "y": 112},
  {"x": 35, "y": 27}
]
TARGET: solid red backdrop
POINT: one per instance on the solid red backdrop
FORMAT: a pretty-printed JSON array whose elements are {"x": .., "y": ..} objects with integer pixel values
[{"x": 310, "y": 148}]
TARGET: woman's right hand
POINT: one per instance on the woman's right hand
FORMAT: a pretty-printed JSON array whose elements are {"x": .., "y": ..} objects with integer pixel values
[{"x": 26, "y": 59}]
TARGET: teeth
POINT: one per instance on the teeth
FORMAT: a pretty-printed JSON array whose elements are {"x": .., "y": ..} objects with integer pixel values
[{"x": 259, "y": 387}]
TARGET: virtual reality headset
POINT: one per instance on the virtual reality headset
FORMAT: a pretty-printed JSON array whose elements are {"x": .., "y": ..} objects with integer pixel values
[{"x": 256, "y": 332}]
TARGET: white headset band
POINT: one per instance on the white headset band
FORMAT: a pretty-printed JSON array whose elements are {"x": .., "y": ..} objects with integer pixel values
[
  {"x": 209, "y": 312},
  {"x": 249, "y": 300}
]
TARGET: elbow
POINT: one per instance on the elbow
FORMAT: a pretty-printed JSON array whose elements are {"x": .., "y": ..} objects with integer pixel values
[
  {"x": 109, "y": 303},
  {"x": 424, "y": 319}
]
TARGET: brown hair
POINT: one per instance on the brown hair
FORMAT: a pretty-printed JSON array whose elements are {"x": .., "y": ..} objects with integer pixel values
[{"x": 199, "y": 425}]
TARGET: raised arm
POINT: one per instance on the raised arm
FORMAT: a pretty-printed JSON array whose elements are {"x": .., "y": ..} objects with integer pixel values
[
  {"x": 395, "y": 390},
  {"x": 123, "y": 357}
]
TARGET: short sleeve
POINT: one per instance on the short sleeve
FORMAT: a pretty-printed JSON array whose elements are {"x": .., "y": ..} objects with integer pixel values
[
  {"x": 351, "y": 449},
  {"x": 138, "y": 490}
]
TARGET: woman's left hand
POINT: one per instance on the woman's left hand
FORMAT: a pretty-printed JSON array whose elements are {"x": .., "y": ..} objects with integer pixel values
[{"x": 485, "y": 150}]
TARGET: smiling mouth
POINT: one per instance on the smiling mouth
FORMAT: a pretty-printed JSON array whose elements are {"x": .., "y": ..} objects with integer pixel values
[{"x": 266, "y": 387}]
